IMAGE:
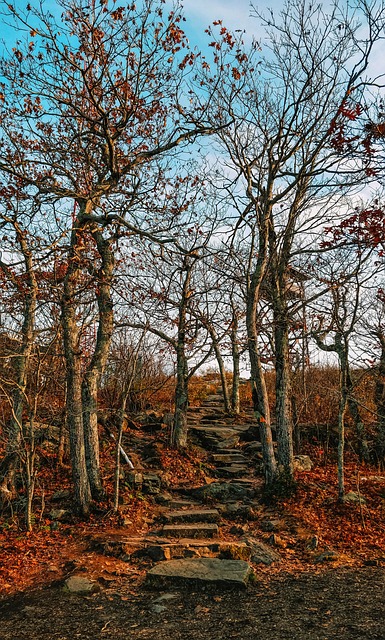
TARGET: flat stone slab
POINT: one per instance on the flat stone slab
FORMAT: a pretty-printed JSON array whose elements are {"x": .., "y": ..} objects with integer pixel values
[
  {"x": 204, "y": 571},
  {"x": 193, "y": 515},
  {"x": 230, "y": 458},
  {"x": 198, "y": 530},
  {"x": 233, "y": 470}
]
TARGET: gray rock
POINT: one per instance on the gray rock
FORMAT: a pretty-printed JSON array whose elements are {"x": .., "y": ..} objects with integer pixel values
[
  {"x": 58, "y": 514},
  {"x": 61, "y": 495},
  {"x": 151, "y": 484},
  {"x": 223, "y": 491},
  {"x": 80, "y": 585},
  {"x": 165, "y": 597},
  {"x": 327, "y": 556},
  {"x": 270, "y": 525},
  {"x": 302, "y": 463},
  {"x": 204, "y": 571},
  {"x": 158, "y": 608},
  {"x": 353, "y": 498},
  {"x": 261, "y": 553}
]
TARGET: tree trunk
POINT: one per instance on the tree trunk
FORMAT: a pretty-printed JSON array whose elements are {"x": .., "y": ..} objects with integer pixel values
[
  {"x": 222, "y": 373},
  {"x": 235, "y": 400},
  {"x": 97, "y": 365},
  {"x": 343, "y": 356},
  {"x": 74, "y": 407},
  {"x": 258, "y": 384},
  {"x": 379, "y": 397},
  {"x": 285, "y": 454},
  {"x": 363, "y": 448},
  {"x": 179, "y": 435}
]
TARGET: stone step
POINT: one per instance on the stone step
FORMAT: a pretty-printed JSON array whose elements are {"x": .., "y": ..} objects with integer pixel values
[
  {"x": 229, "y": 458},
  {"x": 200, "y": 571},
  {"x": 179, "y": 503},
  {"x": 233, "y": 471},
  {"x": 197, "y": 530},
  {"x": 203, "y": 548},
  {"x": 192, "y": 515}
]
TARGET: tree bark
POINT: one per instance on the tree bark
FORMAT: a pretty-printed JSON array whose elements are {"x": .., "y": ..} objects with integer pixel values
[
  {"x": 258, "y": 383},
  {"x": 235, "y": 400},
  {"x": 379, "y": 397},
  {"x": 74, "y": 406},
  {"x": 90, "y": 383},
  {"x": 179, "y": 433},
  {"x": 285, "y": 455}
]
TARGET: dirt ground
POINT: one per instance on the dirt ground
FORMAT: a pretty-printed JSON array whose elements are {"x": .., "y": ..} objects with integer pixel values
[{"x": 340, "y": 603}]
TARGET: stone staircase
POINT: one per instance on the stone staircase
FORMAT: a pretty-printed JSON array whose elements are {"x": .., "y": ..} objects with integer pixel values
[{"x": 195, "y": 550}]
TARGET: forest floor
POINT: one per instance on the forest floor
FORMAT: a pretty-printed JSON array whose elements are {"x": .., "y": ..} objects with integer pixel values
[{"x": 298, "y": 597}]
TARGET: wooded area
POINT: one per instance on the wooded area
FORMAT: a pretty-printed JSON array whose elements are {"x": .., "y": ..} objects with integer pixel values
[{"x": 165, "y": 212}]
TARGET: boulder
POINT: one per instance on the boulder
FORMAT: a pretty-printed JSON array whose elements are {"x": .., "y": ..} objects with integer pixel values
[
  {"x": 302, "y": 463},
  {"x": 80, "y": 585},
  {"x": 261, "y": 553}
]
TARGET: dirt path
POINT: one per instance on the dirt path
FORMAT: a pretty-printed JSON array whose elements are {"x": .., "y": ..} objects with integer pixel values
[{"x": 341, "y": 604}]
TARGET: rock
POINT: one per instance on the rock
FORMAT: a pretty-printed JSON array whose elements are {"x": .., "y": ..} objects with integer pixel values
[
  {"x": 80, "y": 585},
  {"x": 261, "y": 553},
  {"x": 238, "y": 530},
  {"x": 353, "y": 498},
  {"x": 253, "y": 449},
  {"x": 327, "y": 556},
  {"x": 312, "y": 543},
  {"x": 158, "y": 608},
  {"x": 126, "y": 522},
  {"x": 203, "y": 571},
  {"x": 165, "y": 597},
  {"x": 158, "y": 552},
  {"x": 215, "y": 437},
  {"x": 234, "y": 551},
  {"x": 251, "y": 434},
  {"x": 223, "y": 491},
  {"x": 59, "y": 514},
  {"x": 270, "y": 525},
  {"x": 302, "y": 463},
  {"x": 135, "y": 479},
  {"x": 61, "y": 495},
  {"x": 276, "y": 541},
  {"x": 238, "y": 510},
  {"x": 164, "y": 498},
  {"x": 198, "y": 530},
  {"x": 151, "y": 484}
]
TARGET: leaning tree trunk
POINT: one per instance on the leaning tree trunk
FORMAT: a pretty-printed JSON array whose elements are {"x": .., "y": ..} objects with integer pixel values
[
  {"x": 179, "y": 432},
  {"x": 97, "y": 365},
  {"x": 222, "y": 371},
  {"x": 258, "y": 383}
]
